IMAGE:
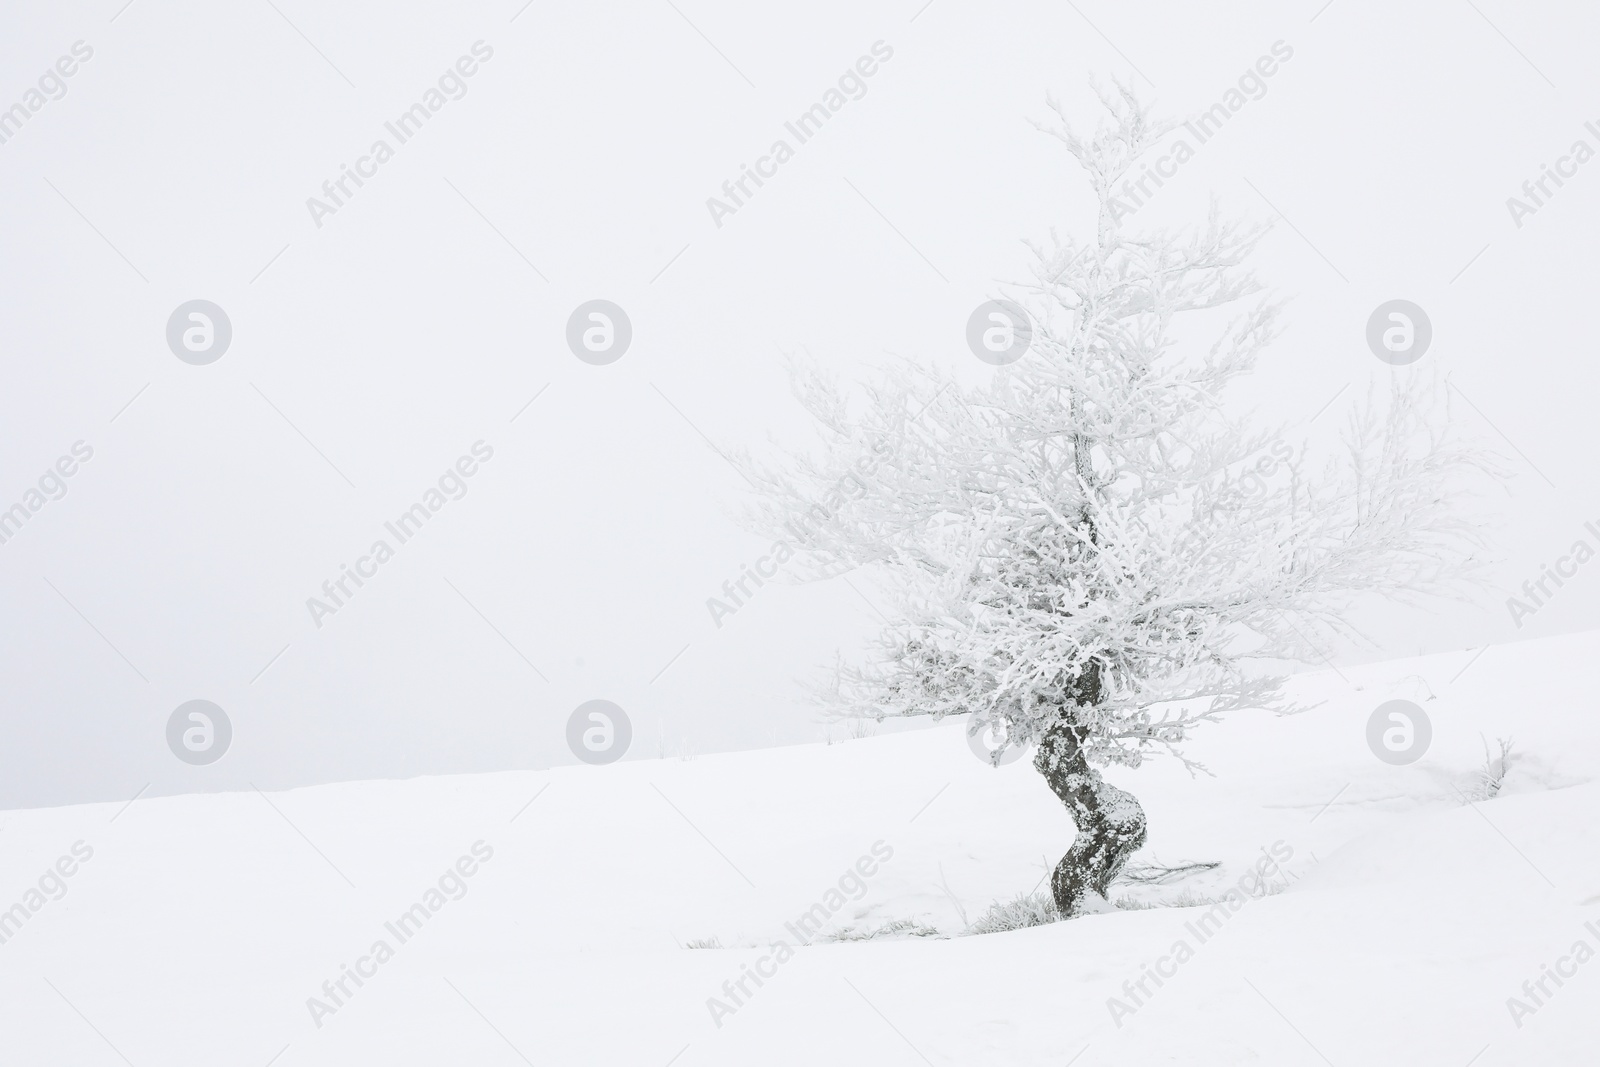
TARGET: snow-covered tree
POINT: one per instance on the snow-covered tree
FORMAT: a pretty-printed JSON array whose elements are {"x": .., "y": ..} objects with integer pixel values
[{"x": 1073, "y": 554}]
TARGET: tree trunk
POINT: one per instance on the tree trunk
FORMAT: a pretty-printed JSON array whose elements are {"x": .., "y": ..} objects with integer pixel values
[{"x": 1110, "y": 822}]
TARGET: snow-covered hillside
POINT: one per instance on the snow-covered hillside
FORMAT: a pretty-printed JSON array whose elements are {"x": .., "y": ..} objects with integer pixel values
[{"x": 546, "y": 917}]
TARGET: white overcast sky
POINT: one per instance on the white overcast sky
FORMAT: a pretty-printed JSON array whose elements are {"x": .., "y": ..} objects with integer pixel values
[{"x": 422, "y": 316}]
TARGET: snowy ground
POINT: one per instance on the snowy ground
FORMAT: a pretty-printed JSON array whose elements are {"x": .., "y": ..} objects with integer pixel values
[{"x": 201, "y": 925}]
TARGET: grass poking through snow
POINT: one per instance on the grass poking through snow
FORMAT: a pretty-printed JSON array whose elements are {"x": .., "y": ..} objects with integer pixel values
[{"x": 1019, "y": 913}]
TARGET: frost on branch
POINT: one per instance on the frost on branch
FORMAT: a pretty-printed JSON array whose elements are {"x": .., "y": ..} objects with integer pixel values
[{"x": 1081, "y": 517}]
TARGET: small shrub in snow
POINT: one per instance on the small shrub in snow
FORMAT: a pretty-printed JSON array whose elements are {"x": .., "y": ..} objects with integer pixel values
[
  {"x": 1492, "y": 775},
  {"x": 1187, "y": 897},
  {"x": 1029, "y": 909},
  {"x": 893, "y": 930}
]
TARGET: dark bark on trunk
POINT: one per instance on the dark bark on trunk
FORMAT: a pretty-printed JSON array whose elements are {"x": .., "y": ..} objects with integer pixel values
[{"x": 1110, "y": 822}]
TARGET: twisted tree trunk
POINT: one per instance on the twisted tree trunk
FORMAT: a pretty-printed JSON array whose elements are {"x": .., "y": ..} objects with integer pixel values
[{"x": 1110, "y": 822}]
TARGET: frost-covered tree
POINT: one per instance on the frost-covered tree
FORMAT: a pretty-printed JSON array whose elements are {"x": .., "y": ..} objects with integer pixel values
[{"x": 1073, "y": 551}]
